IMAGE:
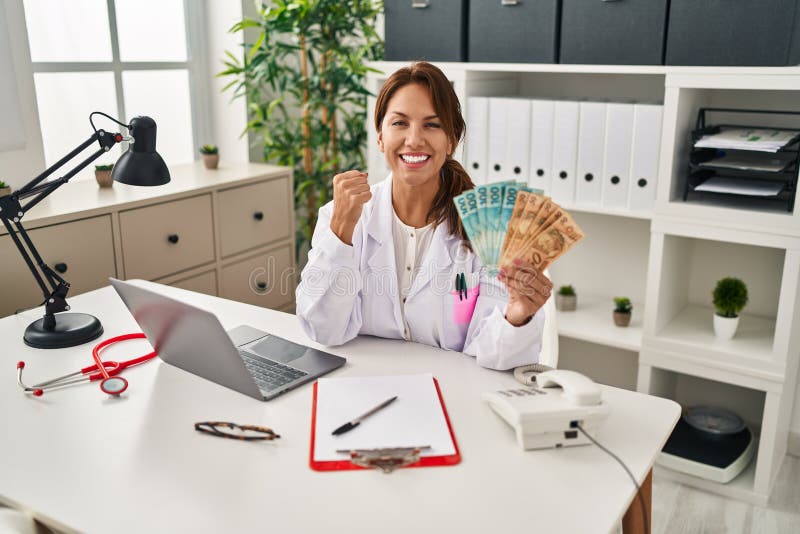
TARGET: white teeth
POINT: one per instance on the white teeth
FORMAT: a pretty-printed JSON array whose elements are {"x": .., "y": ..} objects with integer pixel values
[{"x": 413, "y": 159}]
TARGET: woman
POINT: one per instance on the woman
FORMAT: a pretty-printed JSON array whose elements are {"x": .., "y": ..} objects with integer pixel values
[{"x": 390, "y": 259}]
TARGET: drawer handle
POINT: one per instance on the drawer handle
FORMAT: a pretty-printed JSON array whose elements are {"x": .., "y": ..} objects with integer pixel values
[
  {"x": 173, "y": 238},
  {"x": 615, "y": 180},
  {"x": 511, "y": 2},
  {"x": 642, "y": 182},
  {"x": 258, "y": 216},
  {"x": 420, "y": 4},
  {"x": 61, "y": 267},
  {"x": 589, "y": 177}
]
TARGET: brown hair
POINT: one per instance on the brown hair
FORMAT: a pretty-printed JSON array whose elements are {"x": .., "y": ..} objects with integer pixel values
[{"x": 453, "y": 178}]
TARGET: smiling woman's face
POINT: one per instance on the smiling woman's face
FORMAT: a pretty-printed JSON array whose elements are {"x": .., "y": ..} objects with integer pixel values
[{"x": 412, "y": 138}]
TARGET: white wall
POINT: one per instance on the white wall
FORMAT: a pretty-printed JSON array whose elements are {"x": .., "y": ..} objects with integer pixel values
[
  {"x": 25, "y": 159},
  {"x": 229, "y": 117}
]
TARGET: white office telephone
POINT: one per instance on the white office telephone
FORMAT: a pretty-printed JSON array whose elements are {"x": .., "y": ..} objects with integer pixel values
[{"x": 545, "y": 414}]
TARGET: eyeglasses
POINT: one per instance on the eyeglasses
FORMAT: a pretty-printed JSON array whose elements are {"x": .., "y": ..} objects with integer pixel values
[{"x": 234, "y": 431}]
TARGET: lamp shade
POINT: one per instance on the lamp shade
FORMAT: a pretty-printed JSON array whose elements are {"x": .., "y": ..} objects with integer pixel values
[{"x": 141, "y": 164}]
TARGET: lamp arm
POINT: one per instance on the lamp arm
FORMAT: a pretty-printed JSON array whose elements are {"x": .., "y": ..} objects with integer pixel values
[
  {"x": 23, "y": 191},
  {"x": 12, "y": 231},
  {"x": 40, "y": 192},
  {"x": 32, "y": 188},
  {"x": 11, "y": 213}
]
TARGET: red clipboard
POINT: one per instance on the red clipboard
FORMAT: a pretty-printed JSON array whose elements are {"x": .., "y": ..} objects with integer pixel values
[{"x": 347, "y": 465}]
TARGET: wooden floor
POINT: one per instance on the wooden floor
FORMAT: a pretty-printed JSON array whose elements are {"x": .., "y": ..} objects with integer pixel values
[{"x": 679, "y": 509}]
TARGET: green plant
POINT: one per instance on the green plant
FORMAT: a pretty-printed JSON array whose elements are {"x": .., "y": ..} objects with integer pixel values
[
  {"x": 566, "y": 291},
  {"x": 729, "y": 296},
  {"x": 104, "y": 167},
  {"x": 622, "y": 305},
  {"x": 3, "y": 184},
  {"x": 209, "y": 149},
  {"x": 303, "y": 78}
]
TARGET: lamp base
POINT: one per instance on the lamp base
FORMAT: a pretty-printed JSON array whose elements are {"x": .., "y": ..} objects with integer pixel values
[{"x": 70, "y": 329}]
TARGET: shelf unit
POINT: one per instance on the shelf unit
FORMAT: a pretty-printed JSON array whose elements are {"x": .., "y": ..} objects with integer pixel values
[{"x": 668, "y": 260}]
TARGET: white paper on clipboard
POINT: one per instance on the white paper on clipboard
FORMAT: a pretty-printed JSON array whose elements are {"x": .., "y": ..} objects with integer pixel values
[{"x": 416, "y": 418}]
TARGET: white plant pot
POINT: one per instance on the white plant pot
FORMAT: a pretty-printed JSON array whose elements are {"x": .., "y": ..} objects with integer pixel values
[{"x": 725, "y": 327}]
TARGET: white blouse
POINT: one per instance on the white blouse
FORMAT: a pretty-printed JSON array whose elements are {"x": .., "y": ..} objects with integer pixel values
[{"x": 410, "y": 246}]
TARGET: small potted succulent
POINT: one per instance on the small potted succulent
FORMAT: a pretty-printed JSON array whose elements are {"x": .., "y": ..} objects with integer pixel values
[
  {"x": 729, "y": 298},
  {"x": 566, "y": 299},
  {"x": 210, "y": 154},
  {"x": 622, "y": 311},
  {"x": 5, "y": 189},
  {"x": 102, "y": 174}
]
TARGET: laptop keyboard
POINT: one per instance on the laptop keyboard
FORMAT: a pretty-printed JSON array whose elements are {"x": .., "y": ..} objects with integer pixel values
[{"x": 269, "y": 375}]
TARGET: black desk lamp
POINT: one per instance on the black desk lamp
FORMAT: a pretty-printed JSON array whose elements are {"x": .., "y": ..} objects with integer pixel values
[{"x": 139, "y": 165}]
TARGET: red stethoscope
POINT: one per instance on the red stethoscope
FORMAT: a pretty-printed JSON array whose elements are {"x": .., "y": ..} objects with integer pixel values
[{"x": 108, "y": 371}]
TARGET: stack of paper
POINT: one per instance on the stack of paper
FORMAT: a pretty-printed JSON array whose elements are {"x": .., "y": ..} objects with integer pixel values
[
  {"x": 749, "y": 161},
  {"x": 506, "y": 221},
  {"x": 761, "y": 140},
  {"x": 738, "y": 186}
]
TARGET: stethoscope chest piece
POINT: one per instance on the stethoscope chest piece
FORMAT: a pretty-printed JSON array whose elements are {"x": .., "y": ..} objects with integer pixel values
[{"x": 114, "y": 385}]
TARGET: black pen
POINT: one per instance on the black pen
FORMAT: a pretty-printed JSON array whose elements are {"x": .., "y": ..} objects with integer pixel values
[{"x": 350, "y": 425}]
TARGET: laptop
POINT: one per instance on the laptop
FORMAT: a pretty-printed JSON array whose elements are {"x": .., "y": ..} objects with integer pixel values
[{"x": 245, "y": 359}]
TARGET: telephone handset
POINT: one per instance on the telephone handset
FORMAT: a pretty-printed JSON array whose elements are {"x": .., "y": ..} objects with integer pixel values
[
  {"x": 547, "y": 413},
  {"x": 577, "y": 388}
]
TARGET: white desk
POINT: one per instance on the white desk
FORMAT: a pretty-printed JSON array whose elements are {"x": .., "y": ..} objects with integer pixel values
[{"x": 78, "y": 459}]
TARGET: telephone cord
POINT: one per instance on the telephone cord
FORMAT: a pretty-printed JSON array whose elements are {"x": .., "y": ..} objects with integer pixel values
[{"x": 638, "y": 488}]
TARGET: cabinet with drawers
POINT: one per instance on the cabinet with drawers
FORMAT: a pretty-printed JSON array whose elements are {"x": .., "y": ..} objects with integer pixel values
[
  {"x": 227, "y": 232},
  {"x": 81, "y": 251}
]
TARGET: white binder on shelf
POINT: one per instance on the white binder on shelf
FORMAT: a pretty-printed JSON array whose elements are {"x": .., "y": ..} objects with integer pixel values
[
  {"x": 518, "y": 139},
  {"x": 591, "y": 146},
  {"x": 498, "y": 138},
  {"x": 541, "y": 146},
  {"x": 619, "y": 135},
  {"x": 644, "y": 156},
  {"x": 477, "y": 138},
  {"x": 565, "y": 151}
]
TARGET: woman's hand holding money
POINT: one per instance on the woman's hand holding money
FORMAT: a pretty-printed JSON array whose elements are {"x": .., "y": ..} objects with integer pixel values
[{"x": 528, "y": 289}]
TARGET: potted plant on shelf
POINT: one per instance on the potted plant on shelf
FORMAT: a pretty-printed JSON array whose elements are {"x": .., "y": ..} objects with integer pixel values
[
  {"x": 102, "y": 174},
  {"x": 5, "y": 189},
  {"x": 729, "y": 298},
  {"x": 622, "y": 311},
  {"x": 566, "y": 299},
  {"x": 210, "y": 154}
]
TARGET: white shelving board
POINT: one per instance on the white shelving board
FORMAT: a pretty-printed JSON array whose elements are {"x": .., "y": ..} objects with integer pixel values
[
  {"x": 693, "y": 329},
  {"x": 592, "y": 321},
  {"x": 560, "y": 68},
  {"x": 600, "y": 210}
]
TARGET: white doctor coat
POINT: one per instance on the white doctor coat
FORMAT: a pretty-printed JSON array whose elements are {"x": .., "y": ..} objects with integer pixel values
[{"x": 350, "y": 290}]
